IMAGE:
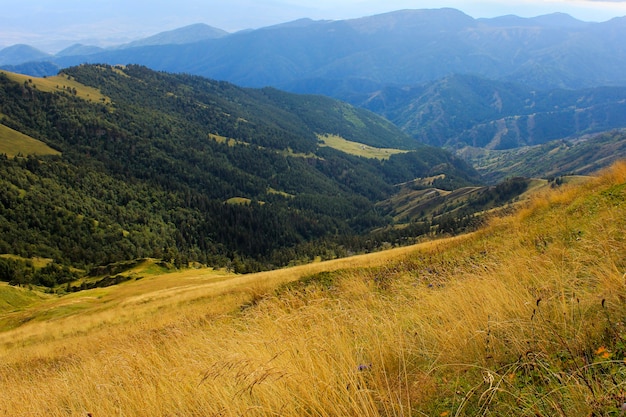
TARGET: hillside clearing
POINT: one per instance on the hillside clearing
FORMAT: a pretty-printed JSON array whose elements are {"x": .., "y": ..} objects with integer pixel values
[
  {"x": 358, "y": 149},
  {"x": 153, "y": 290},
  {"x": 13, "y": 143}
]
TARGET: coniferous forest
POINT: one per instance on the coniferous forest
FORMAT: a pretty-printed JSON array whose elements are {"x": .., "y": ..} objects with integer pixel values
[{"x": 186, "y": 169}]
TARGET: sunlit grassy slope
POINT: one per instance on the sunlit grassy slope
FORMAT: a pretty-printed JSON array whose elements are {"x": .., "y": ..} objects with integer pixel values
[
  {"x": 523, "y": 318},
  {"x": 60, "y": 83},
  {"x": 14, "y": 143},
  {"x": 357, "y": 149}
]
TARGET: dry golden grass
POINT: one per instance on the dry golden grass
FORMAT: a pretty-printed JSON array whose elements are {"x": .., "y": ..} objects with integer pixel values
[{"x": 525, "y": 317}]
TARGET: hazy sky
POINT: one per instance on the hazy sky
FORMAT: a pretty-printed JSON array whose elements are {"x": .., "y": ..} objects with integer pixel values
[{"x": 42, "y": 23}]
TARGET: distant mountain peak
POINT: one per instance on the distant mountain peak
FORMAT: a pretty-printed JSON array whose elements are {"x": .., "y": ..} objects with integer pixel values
[
  {"x": 19, "y": 54},
  {"x": 445, "y": 17},
  {"x": 559, "y": 20},
  {"x": 188, "y": 34},
  {"x": 556, "y": 20},
  {"x": 299, "y": 23}
]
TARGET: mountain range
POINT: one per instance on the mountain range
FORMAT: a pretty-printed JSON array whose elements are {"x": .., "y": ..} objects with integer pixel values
[
  {"x": 442, "y": 77},
  {"x": 406, "y": 47},
  {"x": 465, "y": 110}
]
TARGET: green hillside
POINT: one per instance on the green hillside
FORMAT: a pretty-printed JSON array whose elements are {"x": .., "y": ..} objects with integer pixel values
[
  {"x": 147, "y": 172},
  {"x": 58, "y": 83},
  {"x": 14, "y": 143},
  {"x": 356, "y": 148}
]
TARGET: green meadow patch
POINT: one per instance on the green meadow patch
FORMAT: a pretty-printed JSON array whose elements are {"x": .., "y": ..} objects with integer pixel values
[
  {"x": 285, "y": 152},
  {"x": 16, "y": 298},
  {"x": 239, "y": 200},
  {"x": 281, "y": 193},
  {"x": 229, "y": 141},
  {"x": 36, "y": 261},
  {"x": 14, "y": 143},
  {"x": 358, "y": 149}
]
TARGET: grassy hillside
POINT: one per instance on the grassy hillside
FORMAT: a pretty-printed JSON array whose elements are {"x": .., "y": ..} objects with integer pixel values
[
  {"x": 522, "y": 318},
  {"x": 358, "y": 149},
  {"x": 14, "y": 299},
  {"x": 14, "y": 143},
  {"x": 59, "y": 83}
]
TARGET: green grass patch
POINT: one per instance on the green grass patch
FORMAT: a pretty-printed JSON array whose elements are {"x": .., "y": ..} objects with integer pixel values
[
  {"x": 285, "y": 152},
  {"x": 239, "y": 200},
  {"x": 16, "y": 298},
  {"x": 291, "y": 153},
  {"x": 358, "y": 149},
  {"x": 281, "y": 193},
  {"x": 14, "y": 143},
  {"x": 149, "y": 266},
  {"x": 60, "y": 83},
  {"x": 228, "y": 141}
]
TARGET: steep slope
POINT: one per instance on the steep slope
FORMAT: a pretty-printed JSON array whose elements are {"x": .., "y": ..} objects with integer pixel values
[
  {"x": 520, "y": 318},
  {"x": 154, "y": 167},
  {"x": 463, "y": 110},
  {"x": 13, "y": 143}
]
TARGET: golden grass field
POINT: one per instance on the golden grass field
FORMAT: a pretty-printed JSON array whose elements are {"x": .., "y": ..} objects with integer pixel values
[
  {"x": 526, "y": 317},
  {"x": 355, "y": 148}
]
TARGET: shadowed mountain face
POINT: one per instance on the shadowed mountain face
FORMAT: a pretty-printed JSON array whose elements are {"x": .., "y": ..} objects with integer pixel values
[
  {"x": 463, "y": 110},
  {"x": 405, "y": 47},
  {"x": 20, "y": 54}
]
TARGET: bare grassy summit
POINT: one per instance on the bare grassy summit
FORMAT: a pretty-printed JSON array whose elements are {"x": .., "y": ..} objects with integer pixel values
[{"x": 522, "y": 318}]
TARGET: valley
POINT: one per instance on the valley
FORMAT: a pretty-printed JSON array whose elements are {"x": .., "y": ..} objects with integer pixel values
[
  {"x": 369, "y": 335},
  {"x": 416, "y": 213},
  {"x": 146, "y": 171}
]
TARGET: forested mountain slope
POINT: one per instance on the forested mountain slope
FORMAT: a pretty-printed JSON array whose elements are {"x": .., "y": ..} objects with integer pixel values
[
  {"x": 466, "y": 110},
  {"x": 441, "y": 76},
  {"x": 187, "y": 169},
  {"x": 578, "y": 156}
]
